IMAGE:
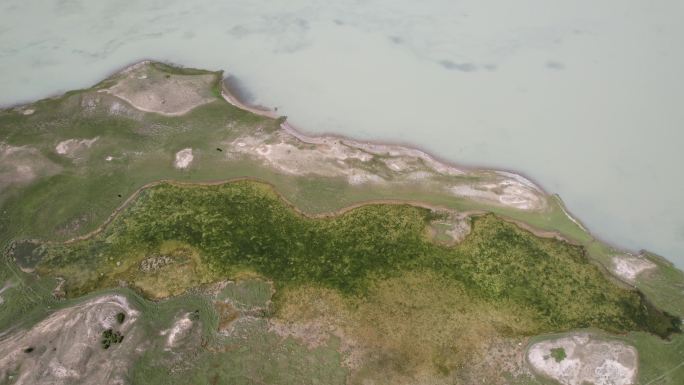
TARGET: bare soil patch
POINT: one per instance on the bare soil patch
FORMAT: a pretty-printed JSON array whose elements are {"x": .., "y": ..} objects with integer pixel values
[
  {"x": 582, "y": 358},
  {"x": 20, "y": 165},
  {"x": 628, "y": 267},
  {"x": 66, "y": 347},
  {"x": 292, "y": 153},
  {"x": 183, "y": 158},
  {"x": 151, "y": 90},
  {"x": 179, "y": 331},
  {"x": 74, "y": 147}
]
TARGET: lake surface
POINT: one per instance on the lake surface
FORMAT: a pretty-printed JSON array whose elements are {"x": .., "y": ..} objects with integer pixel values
[{"x": 584, "y": 97}]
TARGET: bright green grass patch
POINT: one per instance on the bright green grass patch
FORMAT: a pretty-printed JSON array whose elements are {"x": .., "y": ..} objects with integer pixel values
[
  {"x": 245, "y": 225},
  {"x": 558, "y": 354}
]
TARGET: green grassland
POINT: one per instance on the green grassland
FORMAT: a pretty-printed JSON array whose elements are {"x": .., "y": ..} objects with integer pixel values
[
  {"x": 252, "y": 356},
  {"x": 246, "y": 226},
  {"x": 426, "y": 307},
  {"x": 26, "y": 298}
]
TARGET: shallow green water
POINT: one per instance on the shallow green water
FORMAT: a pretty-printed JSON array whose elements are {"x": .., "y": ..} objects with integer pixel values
[{"x": 582, "y": 97}]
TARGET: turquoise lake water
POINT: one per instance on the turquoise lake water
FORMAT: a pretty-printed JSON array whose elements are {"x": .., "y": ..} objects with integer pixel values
[{"x": 584, "y": 97}]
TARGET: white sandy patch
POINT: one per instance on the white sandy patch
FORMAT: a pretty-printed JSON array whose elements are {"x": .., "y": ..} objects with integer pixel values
[
  {"x": 507, "y": 192},
  {"x": 395, "y": 164},
  {"x": 23, "y": 164},
  {"x": 70, "y": 147},
  {"x": 7, "y": 286},
  {"x": 629, "y": 266},
  {"x": 183, "y": 158},
  {"x": 63, "y": 147},
  {"x": 294, "y": 153},
  {"x": 587, "y": 361},
  {"x": 117, "y": 108},
  {"x": 324, "y": 160},
  {"x": 520, "y": 179},
  {"x": 407, "y": 153},
  {"x": 67, "y": 346},
  {"x": 377, "y": 149},
  {"x": 176, "y": 333},
  {"x": 28, "y": 111},
  {"x": 418, "y": 176},
  {"x": 408, "y": 164},
  {"x": 112, "y": 105},
  {"x": 329, "y": 157},
  {"x": 90, "y": 102},
  {"x": 357, "y": 177}
]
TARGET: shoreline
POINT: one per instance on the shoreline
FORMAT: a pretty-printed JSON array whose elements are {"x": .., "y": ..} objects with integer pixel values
[
  {"x": 308, "y": 137},
  {"x": 305, "y": 136}
]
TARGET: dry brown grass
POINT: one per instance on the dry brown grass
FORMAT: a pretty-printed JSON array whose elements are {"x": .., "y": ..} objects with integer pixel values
[
  {"x": 185, "y": 270},
  {"x": 226, "y": 315},
  {"x": 416, "y": 328}
]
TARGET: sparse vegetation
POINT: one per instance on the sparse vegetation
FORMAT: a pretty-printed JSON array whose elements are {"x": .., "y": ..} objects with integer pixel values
[
  {"x": 195, "y": 315},
  {"x": 558, "y": 354},
  {"x": 111, "y": 337},
  {"x": 414, "y": 324}
]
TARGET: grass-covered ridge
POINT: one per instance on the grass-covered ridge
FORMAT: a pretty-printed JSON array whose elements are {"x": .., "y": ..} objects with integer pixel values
[{"x": 246, "y": 226}]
